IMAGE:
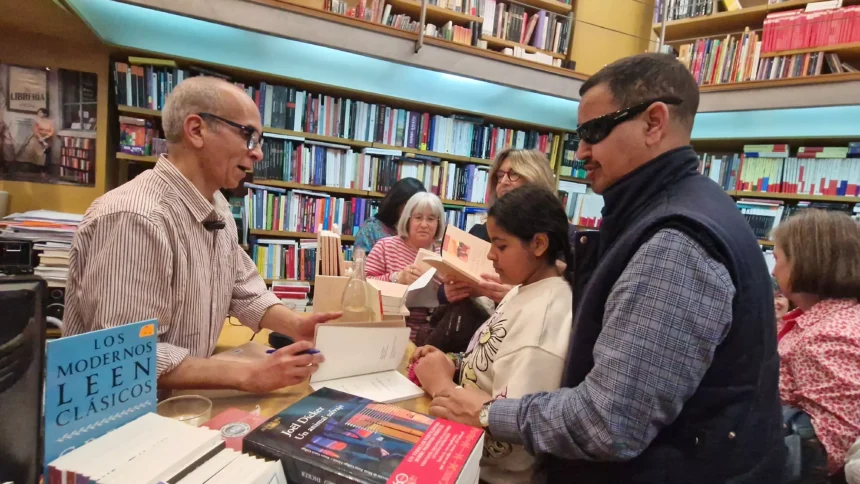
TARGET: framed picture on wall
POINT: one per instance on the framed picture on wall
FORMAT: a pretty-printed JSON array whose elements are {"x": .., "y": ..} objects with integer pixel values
[{"x": 27, "y": 90}]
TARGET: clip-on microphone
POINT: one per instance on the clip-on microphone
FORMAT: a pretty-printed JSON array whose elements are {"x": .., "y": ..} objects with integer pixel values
[{"x": 213, "y": 225}]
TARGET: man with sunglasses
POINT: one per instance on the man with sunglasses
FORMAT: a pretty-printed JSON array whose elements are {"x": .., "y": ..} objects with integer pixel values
[
  {"x": 672, "y": 372},
  {"x": 164, "y": 246}
]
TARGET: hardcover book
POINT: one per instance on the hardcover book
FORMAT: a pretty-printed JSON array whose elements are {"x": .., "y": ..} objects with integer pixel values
[
  {"x": 330, "y": 436},
  {"x": 96, "y": 382}
]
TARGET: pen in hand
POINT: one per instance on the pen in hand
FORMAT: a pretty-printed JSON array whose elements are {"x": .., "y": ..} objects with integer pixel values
[
  {"x": 311, "y": 351},
  {"x": 279, "y": 340}
]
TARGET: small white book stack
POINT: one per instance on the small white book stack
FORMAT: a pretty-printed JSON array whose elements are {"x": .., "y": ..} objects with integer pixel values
[{"x": 153, "y": 449}]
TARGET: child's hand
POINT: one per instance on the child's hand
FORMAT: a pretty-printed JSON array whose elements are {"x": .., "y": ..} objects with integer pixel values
[
  {"x": 435, "y": 371},
  {"x": 493, "y": 288},
  {"x": 423, "y": 351}
]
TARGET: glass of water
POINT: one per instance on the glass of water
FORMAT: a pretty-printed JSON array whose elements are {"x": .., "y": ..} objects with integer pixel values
[{"x": 193, "y": 410}]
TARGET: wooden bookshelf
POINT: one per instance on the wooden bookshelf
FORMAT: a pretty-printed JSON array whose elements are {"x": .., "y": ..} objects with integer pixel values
[
  {"x": 495, "y": 42},
  {"x": 318, "y": 137},
  {"x": 794, "y": 196},
  {"x": 435, "y": 13},
  {"x": 851, "y": 50},
  {"x": 774, "y": 83},
  {"x": 444, "y": 156},
  {"x": 766, "y": 243},
  {"x": 549, "y": 5},
  {"x": 294, "y": 235},
  {"x": 316, "y": 188},
  {"x": 461, "y": 203},
  {"x": 728, "y": 22},
  {"x": 152, "y": 113},
  {"x": 574, "y": 179},
  {"x": 137, "y": 158},
  {"x": 270, "y": 281}
]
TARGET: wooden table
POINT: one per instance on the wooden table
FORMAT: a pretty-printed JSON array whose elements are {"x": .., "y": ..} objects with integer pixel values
[{"x": 272, "y": 403}]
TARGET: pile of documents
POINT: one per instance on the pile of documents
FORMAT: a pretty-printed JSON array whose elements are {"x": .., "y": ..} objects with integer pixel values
[{"x": 51, "y": 233}]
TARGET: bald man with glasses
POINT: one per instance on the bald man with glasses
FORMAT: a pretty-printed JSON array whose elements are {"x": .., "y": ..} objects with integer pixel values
[{"x": 164, "y": 246}]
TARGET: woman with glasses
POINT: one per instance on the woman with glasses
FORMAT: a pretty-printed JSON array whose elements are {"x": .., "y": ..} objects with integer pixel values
[
  {"x": 393, "y": 258},
  {"x": 384, "y": 223},
  {"x": 512, "y": 168}
]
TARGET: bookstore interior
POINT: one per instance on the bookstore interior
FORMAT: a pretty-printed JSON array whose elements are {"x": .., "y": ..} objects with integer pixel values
[{"x": 365, "y": 119}]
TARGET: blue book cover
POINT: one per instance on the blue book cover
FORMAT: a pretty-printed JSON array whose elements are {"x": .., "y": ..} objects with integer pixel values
[{"x": 96, "y": 382}]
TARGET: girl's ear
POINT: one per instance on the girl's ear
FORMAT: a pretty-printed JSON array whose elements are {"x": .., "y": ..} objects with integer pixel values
[{"x": 539, "y": 244}]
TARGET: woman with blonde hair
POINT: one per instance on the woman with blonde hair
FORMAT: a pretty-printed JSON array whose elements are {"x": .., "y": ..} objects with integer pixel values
[
  {"x": 512, "y": 168},
  {"x": 818, "y": 268}
]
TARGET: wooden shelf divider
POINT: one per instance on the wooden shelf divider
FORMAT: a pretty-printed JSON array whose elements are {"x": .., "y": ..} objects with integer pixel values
[
  {"x": 502, "y": 43},
  {"x": 574, "y": 179},
  {"x": 137, "y": 158},
  {"x": 318, "y": 137},
  {"x": 138, "y": 111},
  {"x": 294, "y": 235},
  {"x": 549, "y": 5},
  {"x": 850, "y": 49},
  {"x": 434, "y": 13},
  {"x": 794, "y": 196},
  {"x": 317, "y": 188}
]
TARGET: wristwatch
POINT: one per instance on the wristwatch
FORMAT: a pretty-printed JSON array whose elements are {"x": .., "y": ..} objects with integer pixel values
[{"x": 484, "y": 416}]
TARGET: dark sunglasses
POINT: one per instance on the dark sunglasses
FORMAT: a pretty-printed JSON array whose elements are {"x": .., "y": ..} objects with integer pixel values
[
  {"x": 252, "y": 137},
  {"x": 597, "y": 129}
]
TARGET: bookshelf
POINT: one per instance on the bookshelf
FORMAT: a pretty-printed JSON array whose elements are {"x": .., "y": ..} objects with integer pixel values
[
  {"x": 794, "y": 196},
  {"x": 851, "y": 49},
  {"x": 574, "y": 179},
  {"x": 294, "y": 235},
  {"x": 434, "y": 13},
  {"x": 136, "y": 158},
  {"x": 553, "y": 6},
  {"x": 496, "y": 42}
]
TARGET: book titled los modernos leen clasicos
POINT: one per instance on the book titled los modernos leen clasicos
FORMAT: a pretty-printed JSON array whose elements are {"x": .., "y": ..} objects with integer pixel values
[{"x": 330, "y": 436}]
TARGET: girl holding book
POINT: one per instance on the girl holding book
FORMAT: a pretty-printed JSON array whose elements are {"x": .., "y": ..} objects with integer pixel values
[{"x": 522, "y": 347}]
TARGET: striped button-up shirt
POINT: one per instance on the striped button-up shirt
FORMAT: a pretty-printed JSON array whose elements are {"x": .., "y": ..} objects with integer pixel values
[{"x": 142, "y": 252}]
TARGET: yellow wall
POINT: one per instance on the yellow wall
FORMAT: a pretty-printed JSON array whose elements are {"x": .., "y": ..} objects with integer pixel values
[
  {"x": 81, "y": 51},
  {"x": 607, "y": 30}
]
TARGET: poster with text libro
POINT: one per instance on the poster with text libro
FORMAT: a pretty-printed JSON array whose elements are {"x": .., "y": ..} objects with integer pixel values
[
  {"x": 96, "y": 382},
  {"x": 48, "y": 125}
]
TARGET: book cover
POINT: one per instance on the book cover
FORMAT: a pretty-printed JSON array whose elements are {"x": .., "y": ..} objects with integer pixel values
[
  {"x": 96, "y": 382},
  {"x": 330, "y": 436}
]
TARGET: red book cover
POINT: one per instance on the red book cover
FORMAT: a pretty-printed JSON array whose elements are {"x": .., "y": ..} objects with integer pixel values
[
  {"x": 234, "y": 425},
  {"x": 330, "y": 436}
]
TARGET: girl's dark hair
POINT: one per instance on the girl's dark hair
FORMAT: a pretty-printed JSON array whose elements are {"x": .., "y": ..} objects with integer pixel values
[
  {"x": 400, "y": 193},
  {"x": 530, "y": 210}
]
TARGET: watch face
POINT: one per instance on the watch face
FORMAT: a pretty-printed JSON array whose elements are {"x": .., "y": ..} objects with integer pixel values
[{"x": 484, "y": 415}]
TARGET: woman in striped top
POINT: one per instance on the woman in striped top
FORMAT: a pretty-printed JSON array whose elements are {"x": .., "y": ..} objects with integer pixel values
[{"x": 393, "y": 258}]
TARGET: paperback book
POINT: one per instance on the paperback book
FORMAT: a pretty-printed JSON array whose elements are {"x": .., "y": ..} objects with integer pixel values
[{"x": 335, "y": 437}]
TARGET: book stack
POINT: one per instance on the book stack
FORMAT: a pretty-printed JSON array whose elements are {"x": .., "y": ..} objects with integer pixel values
[
  {"x": 329, "y": 254},
  {"x": 52, "y": 233},
  {"x": 330, "y": 436},
  {"x": 821, "y": 24},
  {"x": 293, "y": 293},
  {"x": 679, "y": 9},
  {"x": 152, "y": 448},
  {"x": 136, "y": 136},
  {"x": 288, "y": 259},
  {"x": 763, "y": 216}
]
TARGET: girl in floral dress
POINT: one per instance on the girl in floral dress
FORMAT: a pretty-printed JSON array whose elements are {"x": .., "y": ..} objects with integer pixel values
[{"x": 521, "y": 349}]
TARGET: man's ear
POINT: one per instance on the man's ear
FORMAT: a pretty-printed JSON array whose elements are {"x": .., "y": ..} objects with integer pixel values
[
  {"x": 194, "y": 127},
  {"x": 539, "y": 244},
  {"x": 657, "y": 119}
]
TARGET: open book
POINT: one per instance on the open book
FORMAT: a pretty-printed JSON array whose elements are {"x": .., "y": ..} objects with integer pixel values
[
  {"x": 396, "y": 298},
  {"x": 362, "y": 359},
  {"x": 464, "y": 257}
]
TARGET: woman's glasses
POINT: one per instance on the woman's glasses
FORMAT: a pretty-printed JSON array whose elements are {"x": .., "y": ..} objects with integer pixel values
[
  {"x": 430, "y": 219},
  {"x": 596, "y": 130},
  {"x": 510, "y": 174}
]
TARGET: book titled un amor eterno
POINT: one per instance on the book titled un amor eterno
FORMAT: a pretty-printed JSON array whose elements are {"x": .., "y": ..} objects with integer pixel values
[{"x": 334, "y": 437}]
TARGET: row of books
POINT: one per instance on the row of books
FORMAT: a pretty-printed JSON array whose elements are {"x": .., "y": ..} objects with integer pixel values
[
  {"x": 288, "y": 259},
  {"x": 541, "y": 29},
  {"x": 810, "y": 28},
  {"x": 454, "y": 33},
  {"x": 146, "y": 83},
  {"x": 371, "y": 170},
  {"x": 570, "y": 165},
  {"x": 137, "y": 135},
  {"x": 583, "y": 209},
  {"x": 465, "y": 219},
  {"x": 78, "y": 159},
  {"x": 764, "y": 216},
  {"x": 678, "y": 9},
  {"x": 298, "y": 110},
  {"x": 768, "y": 168},
  {"x": 271, "y": 208}
]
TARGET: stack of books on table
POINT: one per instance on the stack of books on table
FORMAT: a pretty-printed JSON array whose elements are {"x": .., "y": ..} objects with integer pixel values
[
  {"x": 293, "y": 293},
  {"x": 152, "y": 449},
  {"x": 51, "y": 232}
]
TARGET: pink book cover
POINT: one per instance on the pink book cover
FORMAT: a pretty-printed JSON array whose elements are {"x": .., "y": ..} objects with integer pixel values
[{"x": 234, "y": 425}]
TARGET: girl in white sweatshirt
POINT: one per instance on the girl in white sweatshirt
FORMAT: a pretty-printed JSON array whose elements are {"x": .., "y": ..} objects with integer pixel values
[{"x": 521, "y": 349}]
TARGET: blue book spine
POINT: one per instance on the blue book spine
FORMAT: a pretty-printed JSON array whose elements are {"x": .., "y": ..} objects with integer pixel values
[{"x": 431, "y": 139}]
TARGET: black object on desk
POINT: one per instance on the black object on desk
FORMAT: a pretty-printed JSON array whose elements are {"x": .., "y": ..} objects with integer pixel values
[
  {"x": 279, "y": 340},
  {"x": 22, "y": 353},
  {"x": 16, "y": 257}
]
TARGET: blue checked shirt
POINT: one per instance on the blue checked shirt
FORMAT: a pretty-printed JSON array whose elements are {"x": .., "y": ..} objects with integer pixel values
[{"x": 664, "y": 318}]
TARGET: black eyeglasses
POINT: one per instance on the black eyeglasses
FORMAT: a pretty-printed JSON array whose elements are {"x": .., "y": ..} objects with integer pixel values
[
  {"x": 596, "y": 130},
  {"x": 250, "y": 133}
]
